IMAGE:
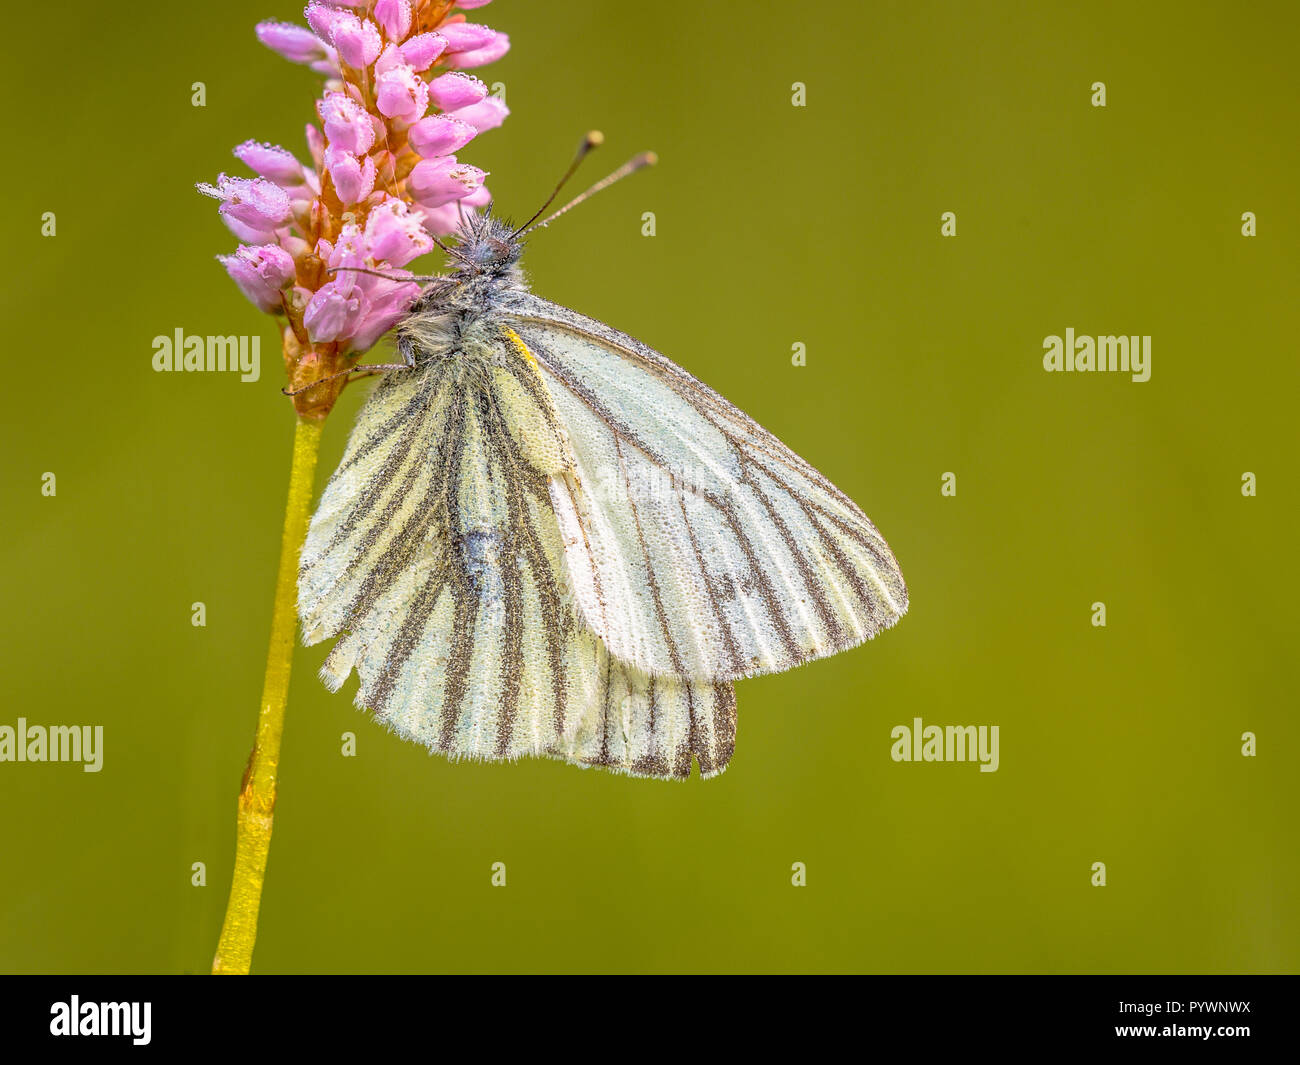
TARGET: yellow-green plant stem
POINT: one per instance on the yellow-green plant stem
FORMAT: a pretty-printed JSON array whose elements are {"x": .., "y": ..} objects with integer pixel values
[{"x": 257, "y": 794}]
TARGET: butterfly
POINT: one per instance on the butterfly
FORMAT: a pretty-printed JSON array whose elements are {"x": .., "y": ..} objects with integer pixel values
[{"x": 545, "y": 538}]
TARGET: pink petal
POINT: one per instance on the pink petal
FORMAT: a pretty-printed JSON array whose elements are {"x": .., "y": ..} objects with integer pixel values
[
  {"x": 440, "y": 135},
  {"x": 478, "y": 57},
  {"x": 332, "y": 311},
  {"x": 456, "y": 90},
  {"x": 322, "y": 18},
  {"x": 395, "y": 17},
  {"x": 354, "y": 178},
  {"x": 396, "y": 234},
  {"x": 296, "y": 43},
  {"x": 271, "y": 161},
  {"x": 466, "y": 36},
  {"x": 357, "y": 40},
  {"x": 421, "y": 50},
  {"x": 435, "y": 182},
  {"x": 253, "y": 201},
  {"x": 487, "y": 114},
  {"x": 260, "y": 272},
  {"x": 347, "y": 124},
  {"x": 384, "y": 311},
  {"x": 402, "y": 94}
]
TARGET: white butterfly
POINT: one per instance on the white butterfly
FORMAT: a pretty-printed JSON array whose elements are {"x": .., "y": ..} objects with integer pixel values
[{"x": 547, "y": 539}]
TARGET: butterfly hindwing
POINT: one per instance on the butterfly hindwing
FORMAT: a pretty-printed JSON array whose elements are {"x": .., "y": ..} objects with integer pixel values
[
  {"x": 698, "y": 544},
  {"x": 436, "y": 556}
]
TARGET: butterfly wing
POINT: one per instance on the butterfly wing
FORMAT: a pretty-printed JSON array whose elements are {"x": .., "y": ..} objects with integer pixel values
[
  {"x": 698, "y": 544},
  {"x": 436, "y": 556}
]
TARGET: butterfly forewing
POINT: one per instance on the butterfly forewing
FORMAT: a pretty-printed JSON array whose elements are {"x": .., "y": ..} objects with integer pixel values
[
  {"x": 697, "y": 543},
  {"x": 436, "y": 555}
]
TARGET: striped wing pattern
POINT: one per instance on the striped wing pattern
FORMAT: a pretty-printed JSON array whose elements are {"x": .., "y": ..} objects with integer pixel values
[
  {"x": 435, "y": 555},
  {"x": 698, "y": 544}
]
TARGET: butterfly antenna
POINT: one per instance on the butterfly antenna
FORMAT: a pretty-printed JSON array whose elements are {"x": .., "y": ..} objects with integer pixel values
[
  {"x": 384, "y": 274},
  {"x": 594, "y": 139},
  {"x": 634, "y": 164}
]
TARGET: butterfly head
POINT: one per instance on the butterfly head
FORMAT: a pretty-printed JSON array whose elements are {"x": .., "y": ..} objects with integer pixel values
[{"x": 487, "y": 245}]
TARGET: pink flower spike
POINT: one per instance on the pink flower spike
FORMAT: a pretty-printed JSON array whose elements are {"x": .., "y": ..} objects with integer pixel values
[
  {"x": 435, "y": 182},
  {"x": 255, "y": 202},
  {"x": 487, "y": 114},
  {"x": 420, "y": 51},
  {"x": 440, "y": 135},
  {"x": 296, "y": 43},
  {"x": 456, "y": 90},
  {"x": 347, "y": 123},
  {"x": 395, "y": 17},
  {"x": 402, "y": 94},
  {"x": 396, "y": 235},
  {"x": 354, "y": 179},
  {"x": 271, "y": 161},
  {"x": 357, "y": 40},
  {"x": 498, "y": 46},
  {"x": 260, "y": 273}
]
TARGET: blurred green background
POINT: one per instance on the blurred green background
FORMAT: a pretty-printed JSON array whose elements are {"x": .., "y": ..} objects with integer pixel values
[{"x": 776, "y": 225}]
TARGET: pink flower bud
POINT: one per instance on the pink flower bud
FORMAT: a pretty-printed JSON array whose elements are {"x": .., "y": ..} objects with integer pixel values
[
  {"x": 401, "y": 94},
  {"x": 357, "y": 40},
  {"x": 466, "y": 36},
  {"x": 480, "y": 197},
  {"x": 354, "y": 178},
  {"x": 456, "y": 90},
  {"x": 332, "y": 310},
  {"x": 395, "y": 17},
  {"x": 493, "y": 50},
  {"x": 440, "y": 135},
  {"x": 316, "y": 145},
  {"x": 395, "y": 234},
  {"x": 434, "y": 182},
  {"x": 444, "y": 219},
  {"x": 260, "y": 273},
  {"x": 421, "y": 50},
  {"x": 329, "y": 67},
  {"x": 295, "y": 246},
  {"x": 271, "y": 161},
  {"x": 347, "y": 123},
  {"x": 350, "y": 249},
  {"x": 296, "y": 43},
  {"x": 254, "y": 202},
  {"x": 487, "y": 114},
  {"x": 323, "y": 17},
  {"x": 383, "y": 309}
]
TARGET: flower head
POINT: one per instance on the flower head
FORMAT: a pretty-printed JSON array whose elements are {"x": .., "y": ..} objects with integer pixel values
[{"x": 381, "y": 182}]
